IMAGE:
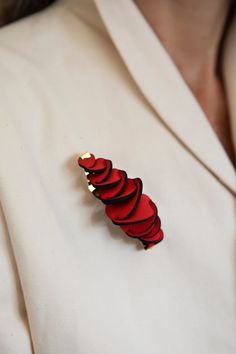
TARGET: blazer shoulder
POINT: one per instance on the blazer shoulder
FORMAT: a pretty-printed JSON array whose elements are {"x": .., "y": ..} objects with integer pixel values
[
  {"x": 47, "y": 28},
  {"x": 23, "y": 30},
  {"x": 46, "y": 41}
]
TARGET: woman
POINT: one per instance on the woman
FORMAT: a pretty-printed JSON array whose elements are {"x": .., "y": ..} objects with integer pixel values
[{"x": 149, "y": 85}]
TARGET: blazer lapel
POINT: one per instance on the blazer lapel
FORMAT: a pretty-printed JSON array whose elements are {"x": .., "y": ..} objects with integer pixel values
[{"x": 163, "y": 86}]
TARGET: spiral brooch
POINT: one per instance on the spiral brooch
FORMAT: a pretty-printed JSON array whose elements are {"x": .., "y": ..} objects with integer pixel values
[{"x": 134, "y": 212}]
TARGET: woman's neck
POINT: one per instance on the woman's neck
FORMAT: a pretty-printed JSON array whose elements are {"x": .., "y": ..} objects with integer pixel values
[{"x": 192, "y": 31}]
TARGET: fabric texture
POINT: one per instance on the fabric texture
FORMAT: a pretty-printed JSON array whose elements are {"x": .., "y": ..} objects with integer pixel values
[{"x": 92, "y": 76}]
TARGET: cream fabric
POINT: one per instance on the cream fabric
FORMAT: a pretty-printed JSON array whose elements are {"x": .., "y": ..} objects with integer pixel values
[{"x": 86, "y": 75}]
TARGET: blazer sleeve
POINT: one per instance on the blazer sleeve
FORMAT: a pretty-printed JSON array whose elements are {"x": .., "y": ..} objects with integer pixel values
[{"x": 14, "y": 329}]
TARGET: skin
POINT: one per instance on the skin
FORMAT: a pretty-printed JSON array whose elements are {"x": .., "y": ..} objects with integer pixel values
[{"x": 193, "y": 32}]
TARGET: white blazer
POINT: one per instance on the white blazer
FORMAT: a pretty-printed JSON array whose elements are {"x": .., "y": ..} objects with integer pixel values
[{"x": 93, "y": 76}]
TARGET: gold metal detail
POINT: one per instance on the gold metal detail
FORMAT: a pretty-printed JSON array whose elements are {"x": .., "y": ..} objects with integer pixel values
[
  {"x": 85, "y": 155},
  {"x": 91, "y": 188}
]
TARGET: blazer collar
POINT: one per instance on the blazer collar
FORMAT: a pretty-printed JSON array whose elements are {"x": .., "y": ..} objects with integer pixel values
[{"x": 164, "y": 88}]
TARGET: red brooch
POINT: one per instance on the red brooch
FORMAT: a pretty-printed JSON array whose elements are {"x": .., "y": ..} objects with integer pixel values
[{"x": 126, "y": 206}]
